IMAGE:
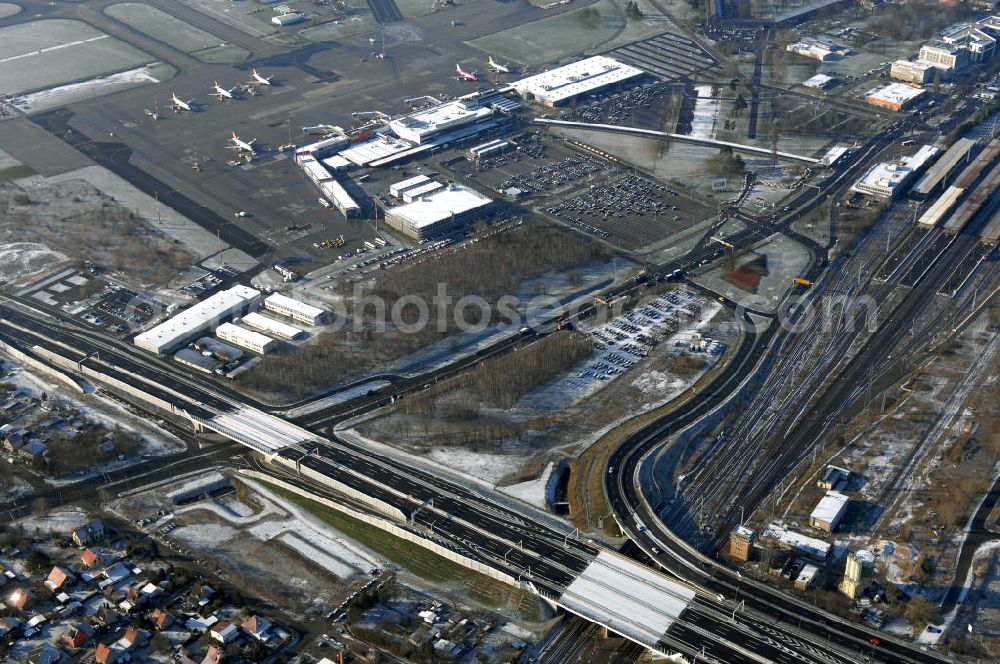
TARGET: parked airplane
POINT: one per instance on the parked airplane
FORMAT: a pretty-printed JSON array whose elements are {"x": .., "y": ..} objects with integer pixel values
[
  {"x": 241, "y": 145},
  {"x": 221, "y": 92},
  {"x": 496, "y": 66},
  {"x": 181, "y": 105},
  {"x": 260, "y": 79},
  {"x": 462, "y": 75}
]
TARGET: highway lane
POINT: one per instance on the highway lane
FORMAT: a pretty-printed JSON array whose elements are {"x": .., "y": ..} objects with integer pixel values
[{"x": 455, "y": 516}]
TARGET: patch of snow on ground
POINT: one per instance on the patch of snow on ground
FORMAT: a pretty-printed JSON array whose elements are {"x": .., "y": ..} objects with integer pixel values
[
  {"x": 18, "y": 259},
  {"x": 532, "y": 491},
  {"x": 658, "y": 383},
  {"x": 62, "y": 522},
  {"x": 228, "y": 515},
  {"x": 485, "y": 466},
  {"x": 315, "y": 552},
  {"x": 62, "y": 94},
  {"x": 18, "y": 489},
  {"x": 323, "y": 548},
  {"x": 931, "y": 637},
  {"x": 518, "y": 632},
  {"x": 205, "y": 535}
]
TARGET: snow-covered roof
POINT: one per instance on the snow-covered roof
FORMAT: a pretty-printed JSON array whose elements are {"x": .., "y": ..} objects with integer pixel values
[
  {"x": 830, "y": 507},
  {"x": 807, "y": 575},
  {"x": 196, "y": 318},
  {"x": 811, "y": 546},
  {"x": 280, "y": 301},
  {"x": 439, "y": 205},
  {"x": 271, "y": 326},
  {"x": 895, "y": 93},
  {"x": 577, "y": 78}
]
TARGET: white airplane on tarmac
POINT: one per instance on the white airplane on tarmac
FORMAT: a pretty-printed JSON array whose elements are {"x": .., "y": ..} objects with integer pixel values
[
  {"x": 221, "y": 92},
  {"x": 241, "y": 145},
  {"x": 181, "y": 105},
  {"x": 496, "y": 66},
  {"x": 260, "y": 79}
]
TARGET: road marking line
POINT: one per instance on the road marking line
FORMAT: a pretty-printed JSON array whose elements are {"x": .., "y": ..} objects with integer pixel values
[{"x": 52, "y": 48}]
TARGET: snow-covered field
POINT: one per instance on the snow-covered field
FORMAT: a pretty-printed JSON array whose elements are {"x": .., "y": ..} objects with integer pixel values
[
  {"x": 323, "y": 548},
  {"x": 485, "y": 466},
  {"x": 64, "y": 94},
  {"x": 20, "y": 259},
  {"x": 61, "y": 522},
  {"x": 532, "y": 491}
]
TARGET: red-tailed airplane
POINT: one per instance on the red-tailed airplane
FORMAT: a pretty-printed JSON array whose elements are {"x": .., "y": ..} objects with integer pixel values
[
  {"x": 241, "y": 145},
  {"x": 462, "y": 75},
  {"x": 181, "y": 105},
  {"x": 260, "y": 79},
  {"x": 221, "y": 92}
]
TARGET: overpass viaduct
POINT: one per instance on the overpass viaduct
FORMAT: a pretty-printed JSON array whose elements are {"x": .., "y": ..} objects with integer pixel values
[{"x": 681, "y": 138}]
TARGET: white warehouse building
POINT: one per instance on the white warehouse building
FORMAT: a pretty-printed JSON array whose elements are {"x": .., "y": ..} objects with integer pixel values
[
  {"x": 560, "y": 85},
  {"x": 438, "y": 209},
  {"x": 271, "y": 326},
  {"x": 244, "y": 338},
  {"x": 198, "y": 319},
  {"x": 294, "y": 309}
]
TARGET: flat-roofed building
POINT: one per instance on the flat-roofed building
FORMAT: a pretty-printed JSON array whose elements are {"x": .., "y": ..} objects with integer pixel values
[
  {"x": 420, "y": 126},
  {"x": 396, "y": 189},
  {"x": 976, "y": 41},
  {"x": 889, "y": 180},
  {"x": 829, "y": 511},
  {"x": 894, "y": 96},
  {"x": 819, "y": 82},
  {"x": 817, "y": 49},
  {"x": 198, "y": 319},
  {"x": 857, "y": 573},
  {"x": 913, "y": 71},
  {"x": 562, "y": 84},
  {"x": 741, "y": 543},
  {"x": 946, "y": 57},
  {"x": 416, "y": 193},
  {"x": 439, "y": 211},
  {"x": 244, "y": 338},
  {"x": 271, "y": 326},
  {"x": 295, "y": 309},
  {"x": 335, "y": 192},
  {"x": 787, "y": 538},
  {"x": 195, "y": 360}
]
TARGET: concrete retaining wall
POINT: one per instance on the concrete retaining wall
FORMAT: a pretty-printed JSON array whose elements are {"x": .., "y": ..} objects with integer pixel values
[
  {"x": 100, "y": 377},
  {"x": 391, "y": 528},
  {"x": 42, "y": 367},
  {"x": 385, "y": 509}
]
